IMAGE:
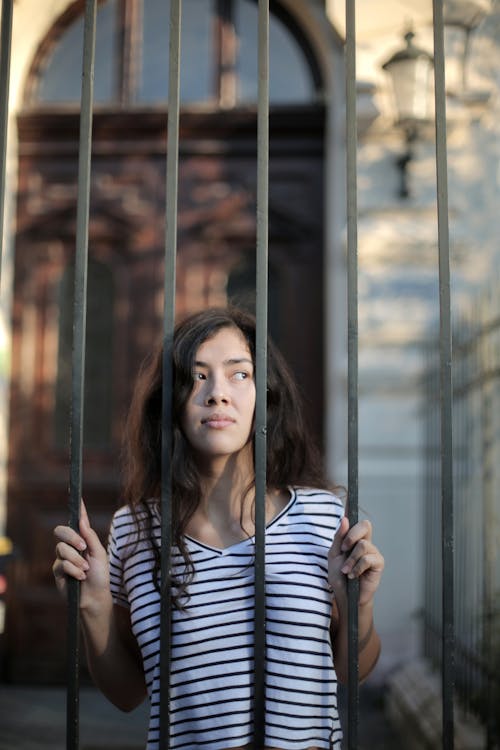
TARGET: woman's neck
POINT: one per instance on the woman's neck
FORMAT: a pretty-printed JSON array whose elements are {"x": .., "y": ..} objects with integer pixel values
[
  {"x": 225, "y": 486},
  {"x": 225, "y": 480},
  {"x": 226, "y": 513}
]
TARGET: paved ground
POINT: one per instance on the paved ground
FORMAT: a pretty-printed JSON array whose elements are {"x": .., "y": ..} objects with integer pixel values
[{"x": 34, "y": 718}]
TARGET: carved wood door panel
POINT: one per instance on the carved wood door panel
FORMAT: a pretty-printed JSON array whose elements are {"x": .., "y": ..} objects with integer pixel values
[{"x": 216, "y": 262}]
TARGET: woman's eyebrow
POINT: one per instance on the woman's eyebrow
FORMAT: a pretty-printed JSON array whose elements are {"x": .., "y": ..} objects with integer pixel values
[
  {"x": 238, "y": 361},
  {"x": 226, "y": 362}
]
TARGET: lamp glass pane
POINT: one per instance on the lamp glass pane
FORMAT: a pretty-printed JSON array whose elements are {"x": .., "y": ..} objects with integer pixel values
[{"x": 411, "y": 83}]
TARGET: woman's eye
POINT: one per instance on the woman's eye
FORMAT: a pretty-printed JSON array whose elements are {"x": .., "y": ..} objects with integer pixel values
[
  {"x": 240, "y": 375},
  {"x": 199, "y": 376}
]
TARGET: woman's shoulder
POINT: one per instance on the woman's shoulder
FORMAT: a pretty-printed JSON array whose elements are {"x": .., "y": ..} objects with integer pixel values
[
  {"x": 317, "y": 511},
  {"x": 122, "y": 517},
  {"x": 128, "y": 521},
  {"x": 128, "y": 514},
  {"x": 321, "y": 499},
  {"x": 324, "y": 494}
]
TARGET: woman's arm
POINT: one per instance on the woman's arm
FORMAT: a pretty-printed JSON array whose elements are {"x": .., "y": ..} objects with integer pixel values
[
  {"x": 113, "y": 656},
  {"x": 368, "y": 643},
  {"x": 353, "y": 555}
]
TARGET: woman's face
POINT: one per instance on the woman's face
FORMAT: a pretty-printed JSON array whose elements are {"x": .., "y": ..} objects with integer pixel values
[{"x": 219, "y": 413}]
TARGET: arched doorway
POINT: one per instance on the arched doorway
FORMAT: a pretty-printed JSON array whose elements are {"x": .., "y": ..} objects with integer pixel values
[{"x": 217, "y": 196}]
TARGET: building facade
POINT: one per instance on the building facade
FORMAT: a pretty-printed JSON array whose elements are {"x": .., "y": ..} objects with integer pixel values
[{"x": 398, "y": 288}]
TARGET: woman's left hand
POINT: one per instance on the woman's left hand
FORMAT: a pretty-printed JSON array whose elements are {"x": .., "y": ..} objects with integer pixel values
[{"x": 353, "y": 555}]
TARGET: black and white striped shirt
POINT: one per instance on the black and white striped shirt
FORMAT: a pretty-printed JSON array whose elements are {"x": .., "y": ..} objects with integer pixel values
[{"x": 212, "y": 641}]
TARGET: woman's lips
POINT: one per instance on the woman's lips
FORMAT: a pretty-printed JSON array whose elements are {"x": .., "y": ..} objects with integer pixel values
[{"x": 218, "y": 421}]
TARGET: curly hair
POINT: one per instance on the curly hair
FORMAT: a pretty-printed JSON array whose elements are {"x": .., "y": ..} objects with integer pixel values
[{"x": 292, "y": 457}]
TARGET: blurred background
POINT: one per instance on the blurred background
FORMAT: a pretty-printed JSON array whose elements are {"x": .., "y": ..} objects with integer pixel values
[{"x": 398, "y": 292}]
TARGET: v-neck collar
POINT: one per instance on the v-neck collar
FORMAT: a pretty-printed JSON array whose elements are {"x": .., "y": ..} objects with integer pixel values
[{"x": 251, "y": 539}]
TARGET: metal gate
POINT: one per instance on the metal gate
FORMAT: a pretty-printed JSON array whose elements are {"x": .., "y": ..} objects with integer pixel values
[
  {"x": 476, "y": 410},
  {"x": 78, "y": 369}
]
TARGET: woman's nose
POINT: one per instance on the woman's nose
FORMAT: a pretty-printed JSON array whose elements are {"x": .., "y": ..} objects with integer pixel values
[
  {"x": 216, "y": 392},
  {"x": 216, "y": 396}
]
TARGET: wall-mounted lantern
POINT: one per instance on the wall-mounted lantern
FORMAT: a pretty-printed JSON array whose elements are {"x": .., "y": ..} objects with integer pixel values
[{"x": 410, "y": 70}]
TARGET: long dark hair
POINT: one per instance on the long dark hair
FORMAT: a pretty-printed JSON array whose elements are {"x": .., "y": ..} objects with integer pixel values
[{"x": 292, "y": 457}]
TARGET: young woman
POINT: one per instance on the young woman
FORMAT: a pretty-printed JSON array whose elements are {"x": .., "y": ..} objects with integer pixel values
[{"x": 310, "y": 550}]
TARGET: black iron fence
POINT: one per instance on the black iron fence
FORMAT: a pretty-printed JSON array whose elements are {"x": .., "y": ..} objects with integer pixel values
[
  {"x": 476, "y": 468},
  {"x": 442, "y": 545}
]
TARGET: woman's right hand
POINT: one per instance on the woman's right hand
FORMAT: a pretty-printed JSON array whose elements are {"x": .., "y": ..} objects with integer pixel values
[
  {"x": 113, "y": 656},
  {"x": 81, "y": 556}
]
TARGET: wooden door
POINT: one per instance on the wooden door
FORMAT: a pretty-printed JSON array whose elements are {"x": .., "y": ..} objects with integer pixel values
[{"x": 216, "y": 261}]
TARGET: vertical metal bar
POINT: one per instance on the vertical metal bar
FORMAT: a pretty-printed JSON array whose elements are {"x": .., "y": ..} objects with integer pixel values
[
  {"x": 489, "y": 532},
  {"x": 167, "y": 383},
  {"x": 473, "y": 489},
  {"x": 5, "y": 48},
  {"x": 462, "y": 568},
  {"x": 352, "y": 355},
  {"x": 430, "y": 484},
  {"x": 475, "y": 535},
  {"x": 78, "y": 362},
  {"x": 261, "y": 373},
  {"x": 448, "y": 635}
]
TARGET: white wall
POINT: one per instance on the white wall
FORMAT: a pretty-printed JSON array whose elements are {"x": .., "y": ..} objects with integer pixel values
[{"x": 399, "y": 305}]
